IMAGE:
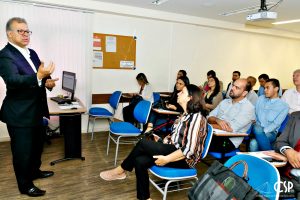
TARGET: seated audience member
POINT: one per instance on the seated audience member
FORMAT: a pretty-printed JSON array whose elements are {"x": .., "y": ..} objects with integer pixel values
[
  {"x": 252, "y": 96},
  {"x": 262, "y": 81},
  {"x": 288, "y": 144},
  {"x": 213, "y": 96},
  {"x": 172, "y": 104},
  {"x": 179, "y": 74},
  {"x": 292, "y": 96},
  {"x": 235, "y": 76},
  {"x": 145, "y": 93},
  {"x": 181, "y": 149},
  {"x": 270, "y": 112},
  {"x": 232, "y": 115},
  {"x": 211, "y": 73}
]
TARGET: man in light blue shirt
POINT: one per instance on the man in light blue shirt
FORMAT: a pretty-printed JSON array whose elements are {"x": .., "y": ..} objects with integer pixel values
[
  {"x": 270, "y": 112},
  {"x": 262, "y": 81},
  {"x": 232, "y": 115}
]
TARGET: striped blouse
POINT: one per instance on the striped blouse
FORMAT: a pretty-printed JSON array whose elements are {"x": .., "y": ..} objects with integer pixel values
[{"x": 189, "y": 134}]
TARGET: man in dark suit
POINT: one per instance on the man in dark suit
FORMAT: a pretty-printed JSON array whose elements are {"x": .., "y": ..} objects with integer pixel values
[{"x": 25, "y": 104}]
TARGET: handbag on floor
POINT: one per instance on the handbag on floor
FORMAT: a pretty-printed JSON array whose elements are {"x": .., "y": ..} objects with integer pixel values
[{"x": 221, "y": 183}]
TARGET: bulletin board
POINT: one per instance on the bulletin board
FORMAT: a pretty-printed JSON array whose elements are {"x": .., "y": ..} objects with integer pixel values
[{"x": 114, "y": 51}]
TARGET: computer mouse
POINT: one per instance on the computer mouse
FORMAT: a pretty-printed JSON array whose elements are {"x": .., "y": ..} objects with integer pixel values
[{"x": 74, "y": 108}]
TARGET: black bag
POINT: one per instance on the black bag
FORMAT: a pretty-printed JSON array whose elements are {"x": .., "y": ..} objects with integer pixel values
[
  {"x": 160, "y": 104},
  {"x": 149, "y": 136},
  {"x": 221, "y": 183},
  {"x": 135, "y": 99}
]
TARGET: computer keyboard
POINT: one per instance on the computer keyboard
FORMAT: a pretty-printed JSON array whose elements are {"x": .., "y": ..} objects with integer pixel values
[{"x": 60, "y": 100}]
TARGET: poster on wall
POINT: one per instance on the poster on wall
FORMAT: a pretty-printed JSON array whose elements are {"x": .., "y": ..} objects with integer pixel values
[
  {"x": 127, "y": 64},
  {"x": 97, "y": 44},
  {"x": 111, "y": 44},
  {"x": 98, "y": 59}
]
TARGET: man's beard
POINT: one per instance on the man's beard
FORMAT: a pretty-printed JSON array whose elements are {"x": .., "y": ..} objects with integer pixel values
[{"x": 232, "y": 95}]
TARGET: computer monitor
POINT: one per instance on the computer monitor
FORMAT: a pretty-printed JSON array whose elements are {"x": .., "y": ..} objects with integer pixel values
[{"x": 69, "y": 83}]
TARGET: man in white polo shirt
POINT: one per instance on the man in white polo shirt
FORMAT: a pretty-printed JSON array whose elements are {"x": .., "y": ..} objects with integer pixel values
[{"x": 292, "y": 96}]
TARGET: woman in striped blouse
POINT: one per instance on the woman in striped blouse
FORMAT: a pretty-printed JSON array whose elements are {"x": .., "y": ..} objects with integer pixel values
[{"x": 181, "y": 149}]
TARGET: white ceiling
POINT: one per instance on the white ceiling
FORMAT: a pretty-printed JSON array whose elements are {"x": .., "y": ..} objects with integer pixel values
[{"x": 287, "y": 10}]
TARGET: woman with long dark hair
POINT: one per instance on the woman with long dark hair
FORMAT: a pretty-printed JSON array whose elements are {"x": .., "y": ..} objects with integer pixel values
[
  {"x": 181, "y": 149},
  {"x": 145, "y": 93},
  {"x": 213, "y": 96}
]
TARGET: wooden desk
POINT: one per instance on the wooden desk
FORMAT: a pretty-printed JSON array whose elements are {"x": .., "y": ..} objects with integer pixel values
[
  {"x": 165, "y": 112},
  {"x": 55, "y": 110},
  {"x": 221, "y": 133},
  {"x": 228, "y": 134},
  {"x": 70, "y": 127},
  {"x": 127, "y": 96},
  {"x": 165, "y": 95}
]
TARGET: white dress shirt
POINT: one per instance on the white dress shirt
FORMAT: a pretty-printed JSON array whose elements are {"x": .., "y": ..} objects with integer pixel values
[{"x": 292, "y": 98}]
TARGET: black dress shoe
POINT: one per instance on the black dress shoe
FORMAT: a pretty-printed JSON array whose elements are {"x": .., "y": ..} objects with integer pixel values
[
  {"x": 34, "y": 192},
  {"x": 43, "y": 174}
]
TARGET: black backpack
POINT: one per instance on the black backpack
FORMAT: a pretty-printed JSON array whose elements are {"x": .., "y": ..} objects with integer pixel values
[{"x": 221, "y": 183}]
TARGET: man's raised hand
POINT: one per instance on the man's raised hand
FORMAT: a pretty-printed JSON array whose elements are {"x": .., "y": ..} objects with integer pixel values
[{"x": 44, "y": 72}]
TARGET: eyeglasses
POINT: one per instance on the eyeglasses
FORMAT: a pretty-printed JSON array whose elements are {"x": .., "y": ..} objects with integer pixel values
[{"x": 22, "y": 32}]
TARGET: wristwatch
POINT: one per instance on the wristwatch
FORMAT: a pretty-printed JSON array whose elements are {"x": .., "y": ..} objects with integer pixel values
[{"x": 283, "y": 150}]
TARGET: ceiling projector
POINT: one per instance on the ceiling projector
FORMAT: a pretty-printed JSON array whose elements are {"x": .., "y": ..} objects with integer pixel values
[{"x": 263, "y": 15}]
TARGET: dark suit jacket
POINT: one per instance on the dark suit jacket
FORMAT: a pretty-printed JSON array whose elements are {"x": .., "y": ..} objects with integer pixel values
[
  {"x": 25, "y": 103},
  {"x": 291, "y": 133}
]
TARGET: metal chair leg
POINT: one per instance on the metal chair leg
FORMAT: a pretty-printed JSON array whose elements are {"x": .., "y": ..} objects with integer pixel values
[
  {"x": 117, "y": 149},
  {"x": 92, "y": 138},
  {"x": 108, "y": 142},
  {"x": 88, "y": 124},
  {"x": 166, "y": 190}
]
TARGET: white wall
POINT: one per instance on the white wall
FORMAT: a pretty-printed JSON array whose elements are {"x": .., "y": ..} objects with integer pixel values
[
  {"x": 165, "y": 46},
  {"x": 202, "y": 49}
]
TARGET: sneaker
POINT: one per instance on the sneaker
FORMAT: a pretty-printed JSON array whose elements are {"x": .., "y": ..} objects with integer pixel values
[{"x": 110, "y": 176}]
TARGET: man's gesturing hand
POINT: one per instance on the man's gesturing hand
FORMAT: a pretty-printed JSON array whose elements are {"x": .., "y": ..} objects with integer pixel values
[
  {"x": 45, "y": 71},
  {"x": 50, "y": 83}
]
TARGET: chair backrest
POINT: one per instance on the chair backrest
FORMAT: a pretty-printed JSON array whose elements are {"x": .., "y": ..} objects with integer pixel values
[
  {"x": 263, "y": 176},
  {"x": 141, "y": 111},
  {"x": 283, "y": 124},
  {"x": 207, "y": 140},
  {"x": 156, "y": 97},
  {"x": 115, "y": 99}
]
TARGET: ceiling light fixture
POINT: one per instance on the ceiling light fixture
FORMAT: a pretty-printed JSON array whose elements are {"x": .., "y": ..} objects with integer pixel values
[
  {"x": 158, "y": 2},
  {"x": 287, "y": 22}
]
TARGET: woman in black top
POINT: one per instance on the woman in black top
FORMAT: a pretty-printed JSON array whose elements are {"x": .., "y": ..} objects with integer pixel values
[
  {"x": 213, "y": 96},
  {"x": 172, "y": 104}
]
